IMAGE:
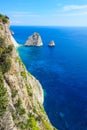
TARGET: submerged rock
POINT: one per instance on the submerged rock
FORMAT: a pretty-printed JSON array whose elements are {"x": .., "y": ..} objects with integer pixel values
[
  {"x": 51, "y": 43},
  {"x": 34, "y": 40}
]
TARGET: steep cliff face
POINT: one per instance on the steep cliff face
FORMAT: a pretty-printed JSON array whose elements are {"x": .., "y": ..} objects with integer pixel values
[{"x": 21, "y": 95}]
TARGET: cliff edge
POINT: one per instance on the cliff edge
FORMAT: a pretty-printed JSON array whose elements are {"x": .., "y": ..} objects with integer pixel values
[{"x": 21, "y": 95}]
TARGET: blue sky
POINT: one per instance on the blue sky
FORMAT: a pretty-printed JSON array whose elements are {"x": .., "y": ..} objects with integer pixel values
[{"x": 45, "y": 12}]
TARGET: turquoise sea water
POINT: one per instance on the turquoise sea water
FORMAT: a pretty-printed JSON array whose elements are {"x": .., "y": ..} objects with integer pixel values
[{"x": 62, "y": 71}]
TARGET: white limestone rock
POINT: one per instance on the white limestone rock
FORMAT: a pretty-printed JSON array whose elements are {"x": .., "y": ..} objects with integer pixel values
[
  {"x": 51, "y": 43},
  {"x": 34, "y": 40}
]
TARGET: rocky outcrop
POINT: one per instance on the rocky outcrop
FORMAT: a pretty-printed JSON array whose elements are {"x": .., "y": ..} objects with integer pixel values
[
  {"x": 34, "y": 40},
  {"x": 23, "y": 109},
  {"x": 51, "y": 44}
]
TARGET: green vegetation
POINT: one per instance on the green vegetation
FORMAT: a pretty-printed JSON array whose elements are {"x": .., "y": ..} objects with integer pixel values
[
  {"x": 3, "y": 96},
  {"x": 6, "y": 65},
  {"x": 30, "y": 75},
  {"x": 1, "y": 27},
  {"x": 41, "y": 108},
  {"x": 23, "y": 74},
  {"x": 9, "y": 49},
  {"x": 47, "y": 125},
  {"x": 5, "y": 52},
  {"x": 14, "y": 116},
  {"x": 14, "y": 93},
  {"x": 55, "y": 128},
  {"x": 34, "y": 110},
  {"x": 18, "y": 59},
  {"x": 31, "y": 123},
  {"x": 29, "y": 91},
  {"x": 3, "y": 19},
  {"x": 38, "y": 118},
  {"x": 22, "y": 125},
  {"x": 21, "y": 110}
]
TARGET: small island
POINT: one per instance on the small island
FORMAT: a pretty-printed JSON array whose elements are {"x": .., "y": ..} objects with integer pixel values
[
  {"x": 34, "y": 40},
  {"x": 51, "y": 44}
]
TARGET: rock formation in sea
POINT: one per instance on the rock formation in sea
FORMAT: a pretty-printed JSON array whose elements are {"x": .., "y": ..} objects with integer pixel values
[
  {"x": 21, "y": 94},
  {"x": 51, "y": 43},
  {"x": 34, "y": 40}
]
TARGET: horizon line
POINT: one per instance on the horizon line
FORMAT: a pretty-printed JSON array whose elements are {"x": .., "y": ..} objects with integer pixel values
[{"x": 51, "y": 25}]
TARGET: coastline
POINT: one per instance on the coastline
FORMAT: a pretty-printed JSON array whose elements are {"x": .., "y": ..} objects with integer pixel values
[
  {"x": 41, "y": 99},
  {"x": 14, "y": 42}
]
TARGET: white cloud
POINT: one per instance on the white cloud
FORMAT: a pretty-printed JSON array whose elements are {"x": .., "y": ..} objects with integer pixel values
[
  {"x": 74, "y": 7},
  {"x": 72, "y": 10},
  {"x": 72, "y": 14},
  {"x": 77, "y": 14}
]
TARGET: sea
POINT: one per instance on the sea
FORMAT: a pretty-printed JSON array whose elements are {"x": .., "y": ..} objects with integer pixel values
[{"x": 62, "y": 71}]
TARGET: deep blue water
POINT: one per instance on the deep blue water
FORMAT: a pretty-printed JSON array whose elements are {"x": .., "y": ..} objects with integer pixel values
[{"x": 62, "y": 71}]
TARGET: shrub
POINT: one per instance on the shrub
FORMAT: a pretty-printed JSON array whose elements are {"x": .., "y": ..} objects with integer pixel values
[
  {"x": 1, "y": 50},
  {"x": 23, "y": 74},
  {"x": 1, "y": 27},
  {"x": 3, "y": 19},
  {"x": 5, "y": 61},
  {"x": 29, "y": 91},
  {"x": 18, "y": 59},
  {"x": 9, "y": 49},
  {"x": 22, "y": 125},
  {"x": 2, "y": 42},
  {"x": 41, "y": 108},
  {"x": 6, "y": 66},
  {"x": 21, "y": 110},
  {"x": 14, "y": 116},
  {"x": 6, "y": 17},
  {"x": 3, "y": 96},
  {"x": 47, "y": 125},
  {"x": 30, "y": 75},
  {"x": 34, "y": 110},
  {"x": 31, "y": 123},
  {"x": 38, "y": 118},
  {"x": 19, "y": 102},
  {"x": 14, "y": 93}
]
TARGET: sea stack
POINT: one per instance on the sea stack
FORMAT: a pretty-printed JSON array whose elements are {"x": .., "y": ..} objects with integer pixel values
[
  {"x": 34, "y": 40},
  {"x": 51, "y": 44}
]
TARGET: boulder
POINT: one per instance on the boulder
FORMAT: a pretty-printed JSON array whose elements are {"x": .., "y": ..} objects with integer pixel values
[
  {"x": 34, "y": 40},
  {"x": 51, "y": 43}
]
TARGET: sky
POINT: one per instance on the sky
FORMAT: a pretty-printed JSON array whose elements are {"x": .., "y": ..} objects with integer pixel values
[{"x": 45, "y": 12}]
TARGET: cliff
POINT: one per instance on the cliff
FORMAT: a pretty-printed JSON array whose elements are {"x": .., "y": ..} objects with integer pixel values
[
  {"x": 21, "y": 95},
  {"x": 34, "y": 40}
]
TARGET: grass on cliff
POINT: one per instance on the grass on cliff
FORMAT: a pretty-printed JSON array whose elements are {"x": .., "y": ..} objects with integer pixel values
[
  {"x": 20, "y": 109},
  {"x": 3, "y": 95},
  {"x": 5, "y": 52},
  {"x": 29, "y": 91},
  {"x": 23, "y": 74},
  {"x": 5, "y": 64},
  {"x": 30, "y": 124}
]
